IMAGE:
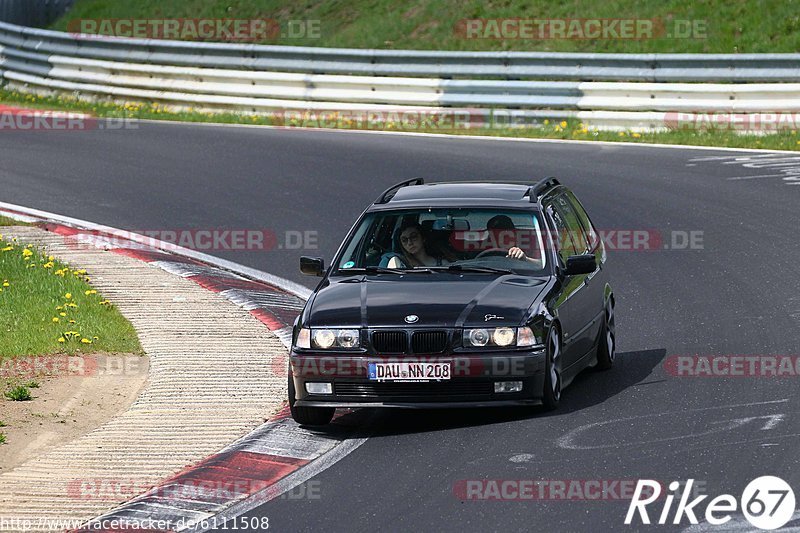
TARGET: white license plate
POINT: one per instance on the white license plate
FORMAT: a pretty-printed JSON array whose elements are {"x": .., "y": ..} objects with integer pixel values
[{"x": 409, "y": 371}]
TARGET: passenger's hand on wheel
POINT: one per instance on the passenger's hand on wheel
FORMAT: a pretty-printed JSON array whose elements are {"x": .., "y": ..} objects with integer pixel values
[{"x": 517, "y": 253}]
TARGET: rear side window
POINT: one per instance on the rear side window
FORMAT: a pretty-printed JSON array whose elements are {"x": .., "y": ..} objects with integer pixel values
[
  {"x": 591, "y": 234},
  {"x": 569, "y": 217},
  {"x": 565, "y": 244}
]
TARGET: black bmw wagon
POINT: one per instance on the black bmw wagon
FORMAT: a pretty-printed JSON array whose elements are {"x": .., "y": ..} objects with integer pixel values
[{"x": 455, "y": 295}]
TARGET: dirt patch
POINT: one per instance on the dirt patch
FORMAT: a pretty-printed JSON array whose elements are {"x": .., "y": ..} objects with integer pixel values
[{"x": 65, "y": 407}]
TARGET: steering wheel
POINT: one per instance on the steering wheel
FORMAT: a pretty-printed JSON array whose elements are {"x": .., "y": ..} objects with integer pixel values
[{"x": 492, "y": 251}]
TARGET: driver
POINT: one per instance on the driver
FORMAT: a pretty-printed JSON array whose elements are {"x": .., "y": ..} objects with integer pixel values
[{"x": 504, "y": 223}]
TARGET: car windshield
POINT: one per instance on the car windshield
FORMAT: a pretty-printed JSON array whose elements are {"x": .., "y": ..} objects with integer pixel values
[{"x": 464, "y": 240}]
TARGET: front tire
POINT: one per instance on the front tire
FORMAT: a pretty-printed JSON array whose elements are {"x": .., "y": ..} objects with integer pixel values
[
  {"x": 551, "y": 395},
  {"x": 308, "y": 416}
]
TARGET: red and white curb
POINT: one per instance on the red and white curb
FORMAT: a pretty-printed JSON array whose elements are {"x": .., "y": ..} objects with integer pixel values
[{"x": 273, "y": 459}]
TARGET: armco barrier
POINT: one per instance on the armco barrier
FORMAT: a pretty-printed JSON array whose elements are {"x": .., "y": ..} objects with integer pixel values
[{"x": 529, "y": 86}]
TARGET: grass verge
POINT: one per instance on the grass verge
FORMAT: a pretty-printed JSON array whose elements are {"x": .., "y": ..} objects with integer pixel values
[
  {"x": 717, "y": 26},
  {"x": 48, "y": 308},
  {"x": 569, "y": 129},
  {"x": 5, "y": 221}
]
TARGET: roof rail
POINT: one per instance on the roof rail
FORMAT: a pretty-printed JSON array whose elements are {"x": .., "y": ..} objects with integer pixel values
[
  {"x": 387, "y": 194},
  {"x": 541, "y": 187}
]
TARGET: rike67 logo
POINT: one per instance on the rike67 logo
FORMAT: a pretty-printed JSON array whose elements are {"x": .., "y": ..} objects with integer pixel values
[{"x": 767, "y": 503}]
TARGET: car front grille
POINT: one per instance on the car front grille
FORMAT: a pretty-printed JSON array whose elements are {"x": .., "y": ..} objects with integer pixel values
[
  {"x": 429, "y": 342},
  {"x": 432, "y": 391},
  {"x": 390, "y": 341}
]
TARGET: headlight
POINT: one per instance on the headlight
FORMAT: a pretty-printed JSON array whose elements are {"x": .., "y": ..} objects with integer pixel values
[
  {"x": 347, "y": 338},
  {"x": 504, "y": 336},
  {"x": 500, "y": 337},
  {"x": 324, "y": 339},
  {"x": 477, "y": 337}
]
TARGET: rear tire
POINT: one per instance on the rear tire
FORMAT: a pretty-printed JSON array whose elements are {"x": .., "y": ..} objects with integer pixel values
[
  {"x": 308, "y": 416},
  {"x": 607, "y": 343},
  {"x": 551, "y": 396}
]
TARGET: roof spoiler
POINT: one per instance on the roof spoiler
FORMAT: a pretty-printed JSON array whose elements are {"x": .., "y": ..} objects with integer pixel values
[
  {"x": 389, "y": 193},
  {"x": 541, "y": 187}
]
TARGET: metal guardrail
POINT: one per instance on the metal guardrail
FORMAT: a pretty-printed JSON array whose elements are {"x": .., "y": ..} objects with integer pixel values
[
  {"x": 264, "y": 79},
  {"x": 447, "y": 65}
]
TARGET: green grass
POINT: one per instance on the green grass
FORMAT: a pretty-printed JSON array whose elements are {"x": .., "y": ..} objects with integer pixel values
[
  {"x": 49, "y": 308},
  {"x": 2, "y": 438},
  {"x": 786, "y": 140},
  {"x": 5, "y": 221},
  {"x": 733, "y": 26},
  {"x": 20, "y": 393}
]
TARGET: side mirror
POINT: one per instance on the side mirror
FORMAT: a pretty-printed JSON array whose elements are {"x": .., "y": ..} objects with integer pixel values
[
  {"x": 312, "y": 266},
  {"x": 581, "y": 264}
]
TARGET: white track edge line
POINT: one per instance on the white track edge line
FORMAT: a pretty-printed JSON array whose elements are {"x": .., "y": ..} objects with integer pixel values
[
  {"x": 282, "y": 283},
  {"x": 474, "y": 137}
]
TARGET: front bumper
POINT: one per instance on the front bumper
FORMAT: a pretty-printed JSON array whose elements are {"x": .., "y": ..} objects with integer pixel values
[{"x": 471, "y": 384}]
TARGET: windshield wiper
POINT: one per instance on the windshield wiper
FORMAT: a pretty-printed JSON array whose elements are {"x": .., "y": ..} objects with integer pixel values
[
  {"x": 468, "y": 268},
  {"x": 382, "y": 270}
]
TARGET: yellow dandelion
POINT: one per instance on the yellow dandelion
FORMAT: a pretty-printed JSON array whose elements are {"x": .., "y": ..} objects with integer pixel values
[
  {"x": 62, "y": 313},
  {"x": 62, "y": 339},
  {"x": 55, "y": 319},
  {"x": 563, "y": 124},
  {"x": 90, "y": 292},
  {"x": 86, "y": 341},
  {"x": 68, "y": 295}
]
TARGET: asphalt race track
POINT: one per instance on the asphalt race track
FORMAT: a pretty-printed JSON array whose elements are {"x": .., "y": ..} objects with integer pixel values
[{"x": 736, "y": 294}]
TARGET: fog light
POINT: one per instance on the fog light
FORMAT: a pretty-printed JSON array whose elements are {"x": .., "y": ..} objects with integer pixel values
[
  {"x": 325, "y": 388},
  {"x": 508, "y": 386}
]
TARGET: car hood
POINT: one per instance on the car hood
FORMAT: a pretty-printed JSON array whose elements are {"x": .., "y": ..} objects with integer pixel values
[{"x": 469, "y": 300}]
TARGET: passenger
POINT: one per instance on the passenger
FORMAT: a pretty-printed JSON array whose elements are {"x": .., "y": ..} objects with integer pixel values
[{"x": 415, "y": 249}]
